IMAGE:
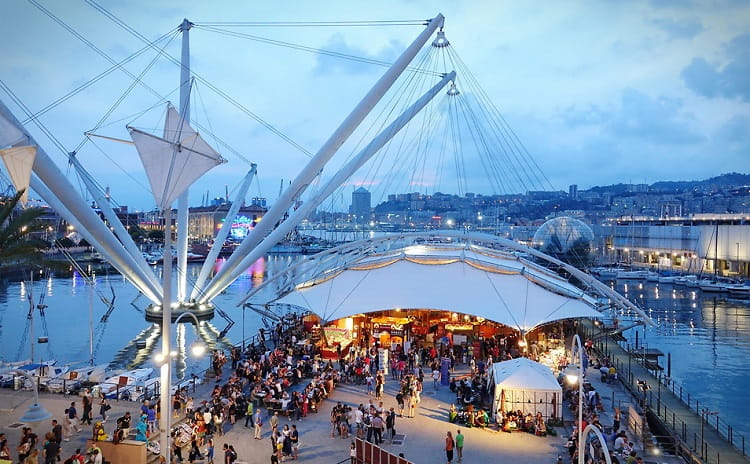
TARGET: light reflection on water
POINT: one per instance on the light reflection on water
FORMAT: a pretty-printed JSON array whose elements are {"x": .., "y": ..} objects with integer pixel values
[
  {"x": 67, "y": 315},
  {"x": 709, "y": 339}
]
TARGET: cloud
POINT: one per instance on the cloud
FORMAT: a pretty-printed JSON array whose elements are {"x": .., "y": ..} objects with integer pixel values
[
  {"x": 327, "y": 64},
  {"x": 679, "y": 29},
  {"x": 660, "y": 120},
  {"x": 592, "y": 114},
  {"x": 729, "y": 80},
  {"x": 735, "y": 135}
]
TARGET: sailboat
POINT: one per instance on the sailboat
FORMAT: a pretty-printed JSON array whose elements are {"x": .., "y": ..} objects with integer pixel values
[{"x": 715, "y": 284}]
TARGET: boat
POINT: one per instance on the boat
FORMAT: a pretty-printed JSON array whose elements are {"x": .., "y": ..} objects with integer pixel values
[
  {"x": 115, "y": 386},
  {"x": 684, "y": 280},
  {"x": 74, "y": 379},
  {"x": 139, "y": 391},
  {"x": 606, "y": 272},
  {"x": 40, "y": 373},
  {"x": 713, "y": 286},
  {"x": 154, "y": 258},
  {"x": 740, "y": 291},
  {"x": 667, "y": 278},
  {"x": 633, "y": 274}
]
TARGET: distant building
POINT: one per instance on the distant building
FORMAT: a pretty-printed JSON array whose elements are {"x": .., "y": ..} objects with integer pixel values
[
  {"x": 573, "y": 191},
  {"x": 360, "y": 207},
  {"x": 259, "y": 201},
  {"x": 670, "y": 209},
  {"x": 205, "y": 222}
]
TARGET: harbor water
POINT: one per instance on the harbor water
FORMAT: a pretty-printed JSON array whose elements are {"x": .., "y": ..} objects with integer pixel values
[{"x": 708, "y": 338}]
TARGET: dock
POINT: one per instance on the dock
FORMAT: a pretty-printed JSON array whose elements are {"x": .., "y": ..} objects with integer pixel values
[{"x": 696, "y": 433}]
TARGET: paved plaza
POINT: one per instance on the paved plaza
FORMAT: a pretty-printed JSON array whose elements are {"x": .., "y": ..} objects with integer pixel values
[{"x": 423, "y": 435}]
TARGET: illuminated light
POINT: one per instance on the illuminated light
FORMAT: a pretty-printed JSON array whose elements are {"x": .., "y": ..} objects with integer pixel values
[
  {"x": 159, "y": 359},
  {"x": 173, "y": 353},
  {"x": 198, "y": 349}
]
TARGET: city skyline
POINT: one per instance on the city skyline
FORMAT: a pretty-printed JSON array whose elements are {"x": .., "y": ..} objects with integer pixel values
[{"x": 599, "y": 93}]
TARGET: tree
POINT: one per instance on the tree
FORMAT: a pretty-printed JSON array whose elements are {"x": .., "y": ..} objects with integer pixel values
[
  {"x": 16, "y": 244},
  {"x": 156, "y": 235}
]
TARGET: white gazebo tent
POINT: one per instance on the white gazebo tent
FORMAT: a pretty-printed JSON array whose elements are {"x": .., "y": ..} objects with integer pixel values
[{"x": 526, "y": 385}]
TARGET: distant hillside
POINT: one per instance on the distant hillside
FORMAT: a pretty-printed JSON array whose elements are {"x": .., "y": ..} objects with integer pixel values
[{"x": 732, "y": 179}]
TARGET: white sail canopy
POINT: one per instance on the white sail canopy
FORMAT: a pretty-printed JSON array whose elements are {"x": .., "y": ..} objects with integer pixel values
[
  {"x": 19, "y": 161},
  {"x": 517, "y": 299},
  {"x": 174, "y": 162}
]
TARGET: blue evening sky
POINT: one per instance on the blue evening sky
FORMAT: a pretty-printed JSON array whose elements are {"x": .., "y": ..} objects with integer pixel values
[{"x": 598, "y": 91}]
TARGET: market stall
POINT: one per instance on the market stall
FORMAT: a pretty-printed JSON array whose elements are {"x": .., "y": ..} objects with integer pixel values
[{"x": 526, "y": 385}]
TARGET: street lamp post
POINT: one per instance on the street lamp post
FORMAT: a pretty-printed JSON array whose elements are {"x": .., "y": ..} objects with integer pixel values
[
  {"x": 582, "y": 433},
  {"x": 577, "y": 344},
  {"x": 163, "y": 359}
]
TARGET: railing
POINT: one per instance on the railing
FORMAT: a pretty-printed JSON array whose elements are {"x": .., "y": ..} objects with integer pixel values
[{"x": 692, "y": 446}]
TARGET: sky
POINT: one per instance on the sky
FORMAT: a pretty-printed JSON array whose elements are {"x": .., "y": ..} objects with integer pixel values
[{"x": 598, "y": 92}]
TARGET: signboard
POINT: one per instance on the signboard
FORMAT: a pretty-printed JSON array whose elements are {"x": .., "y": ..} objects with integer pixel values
[
  {"x": 454, "y": 327},
  {"x": 335, "y": 335},
  {"x": 419, "y": 329},
  {"x": 395, "y": 330}
]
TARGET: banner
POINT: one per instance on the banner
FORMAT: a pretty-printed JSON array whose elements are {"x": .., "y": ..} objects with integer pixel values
[{"x": 335, "y": 335}]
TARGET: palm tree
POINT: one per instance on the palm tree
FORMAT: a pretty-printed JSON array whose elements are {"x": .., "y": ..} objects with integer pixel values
[{"x": 16, "y": 244}]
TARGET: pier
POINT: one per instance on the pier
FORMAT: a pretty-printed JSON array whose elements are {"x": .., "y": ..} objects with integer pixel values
[{"x": 699, "y": 435}]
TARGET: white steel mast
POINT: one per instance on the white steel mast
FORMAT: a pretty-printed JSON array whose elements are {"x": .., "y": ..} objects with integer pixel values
[{"x": 237, "y": 263}]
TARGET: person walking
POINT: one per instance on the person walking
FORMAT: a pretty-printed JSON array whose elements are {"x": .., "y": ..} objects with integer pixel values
[
  {"x": 390, "y": 424},
  {"x": 274, "y": 422},
  {"x": 73, "y": 417},
  {"x": 377, "y": 427},
  {"x": 57, "y": 432},
  {"x": 87, "y": 407},
  {"x": 294, "y": 436},
  {"x": 210, "y": 451},
  {"x": 435, "y": 378},
  {"x": 400, "y": 402},
  {"x": 104, "y": 406},
  {"x": 51, "y": 449},
  {"x": 249, "y": 414},
  {"x": 449, "y": 445},
  {"x": 459, "y": 445},
  {"x": 258, "y": 425}
]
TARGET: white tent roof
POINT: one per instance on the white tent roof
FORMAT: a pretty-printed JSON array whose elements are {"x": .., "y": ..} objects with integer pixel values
[
  {"x": 512, "y": 297},
  {"x": 173, "y": 163},
  {"x": 524, "y": 374}
]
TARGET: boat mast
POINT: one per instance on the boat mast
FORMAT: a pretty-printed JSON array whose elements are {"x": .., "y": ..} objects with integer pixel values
[{"x": 716, "y": 250}]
